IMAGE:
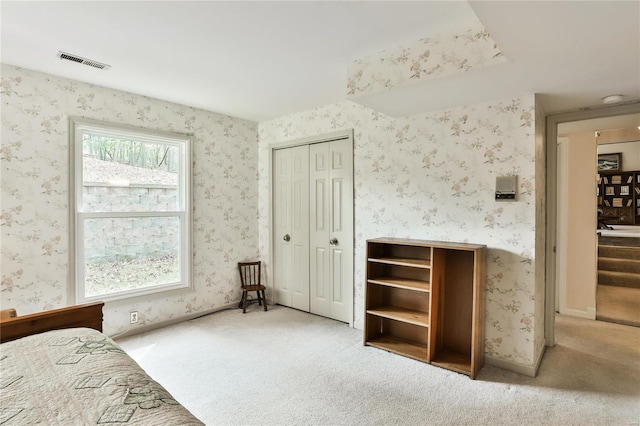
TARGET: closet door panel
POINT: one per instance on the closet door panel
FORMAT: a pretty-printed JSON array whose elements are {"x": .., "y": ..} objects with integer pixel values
[
  {"x": 319, "y": 186},
  {"x": 291, "y": 230},
  {"x": 282, "y": 218},
  {"x": 332, "y": 267},
  {"x": 300, "y": 227}
]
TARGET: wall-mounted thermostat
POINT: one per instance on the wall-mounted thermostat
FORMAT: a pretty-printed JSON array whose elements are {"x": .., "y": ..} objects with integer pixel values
[{"x": 506, "y": 188}]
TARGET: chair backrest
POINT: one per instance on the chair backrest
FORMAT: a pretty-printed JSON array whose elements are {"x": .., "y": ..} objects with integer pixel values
[
  {"x": 249, "y": 273},
  {"x": 8, "y": 313}
]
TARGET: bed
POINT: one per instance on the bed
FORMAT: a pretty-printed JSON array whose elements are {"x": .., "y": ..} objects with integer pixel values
[{"x": 57, "y": 368}]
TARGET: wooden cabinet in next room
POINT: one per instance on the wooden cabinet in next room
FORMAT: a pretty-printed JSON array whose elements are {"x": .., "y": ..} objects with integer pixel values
[{"x": 619, "y": 198}]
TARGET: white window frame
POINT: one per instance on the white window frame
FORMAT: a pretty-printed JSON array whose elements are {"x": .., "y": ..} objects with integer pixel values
[{"x": 77, "y": 216}]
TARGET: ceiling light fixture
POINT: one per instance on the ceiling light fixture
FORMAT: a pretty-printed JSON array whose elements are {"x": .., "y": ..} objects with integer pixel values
[{"x": 612, "y": 99}]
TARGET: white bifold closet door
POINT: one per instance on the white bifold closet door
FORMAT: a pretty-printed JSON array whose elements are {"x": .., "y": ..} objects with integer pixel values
[
  {"x": 331, "y": 229},
  {"x": 313, "y": 269},
  {"x": 291, "y": 224}
]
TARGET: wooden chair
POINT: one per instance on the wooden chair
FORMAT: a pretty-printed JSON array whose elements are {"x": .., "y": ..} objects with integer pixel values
[
  {"x": 7, "y": 313},
  {"x": 250, "y": 273}
]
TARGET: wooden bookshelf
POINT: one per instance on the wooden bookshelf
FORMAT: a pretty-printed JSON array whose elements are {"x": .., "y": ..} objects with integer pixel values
[{"x": 425, "y": 300}]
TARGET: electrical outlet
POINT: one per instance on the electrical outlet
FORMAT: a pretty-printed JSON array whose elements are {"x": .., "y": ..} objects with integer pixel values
[{"x": 133, "y": 317}]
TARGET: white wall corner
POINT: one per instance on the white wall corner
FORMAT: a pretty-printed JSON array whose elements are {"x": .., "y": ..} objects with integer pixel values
[{"x": 527, "y": 370}]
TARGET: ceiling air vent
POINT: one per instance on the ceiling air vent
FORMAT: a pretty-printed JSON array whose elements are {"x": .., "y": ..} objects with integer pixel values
[{"x": 81, "y": 60}]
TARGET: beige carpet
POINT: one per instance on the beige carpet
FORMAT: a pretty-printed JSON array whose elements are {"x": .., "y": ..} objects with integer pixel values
[
  {"x": 618, "y": 304},
  {"x": 286, "y": 367}
]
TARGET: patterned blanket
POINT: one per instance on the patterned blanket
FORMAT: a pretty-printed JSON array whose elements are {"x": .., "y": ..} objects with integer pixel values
[{"x": 80, "y": 377}]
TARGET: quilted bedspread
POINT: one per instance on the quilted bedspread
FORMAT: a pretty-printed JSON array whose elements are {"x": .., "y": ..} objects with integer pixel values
[{"x": 80, "y": 376}]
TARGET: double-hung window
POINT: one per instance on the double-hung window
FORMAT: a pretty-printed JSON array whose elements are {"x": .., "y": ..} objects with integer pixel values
[{"x": 131, "y": 217}]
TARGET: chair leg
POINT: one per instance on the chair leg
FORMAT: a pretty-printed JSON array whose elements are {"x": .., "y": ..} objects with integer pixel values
[
  {"x": 244, "y": 302},
  {"x": 265, "y": 300},
  {"x": 259, "y": 298}
]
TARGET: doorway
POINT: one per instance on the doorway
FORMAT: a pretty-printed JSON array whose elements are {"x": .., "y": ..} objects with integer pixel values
[
  {"x": 312, "y": 225},
  {"x": 618, "y": 284},
  {"x": 553, "y": 192}
]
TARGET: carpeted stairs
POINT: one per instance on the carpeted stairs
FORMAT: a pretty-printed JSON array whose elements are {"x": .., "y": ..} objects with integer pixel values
[
  {"x": 618, "y": 292},
  {"x": 619, "y": 266}
]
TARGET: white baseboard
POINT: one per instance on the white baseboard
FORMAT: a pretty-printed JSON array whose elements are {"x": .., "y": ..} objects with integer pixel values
[
  {"x": 590, "y": 313},
  {"x": 149, "y": 327},
  {"x": 539, "y": 358},
  {"x": 527, "y": 370}
]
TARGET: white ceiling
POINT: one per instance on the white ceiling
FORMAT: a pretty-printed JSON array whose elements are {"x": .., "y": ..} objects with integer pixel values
[{"x": 261, "y": 60}]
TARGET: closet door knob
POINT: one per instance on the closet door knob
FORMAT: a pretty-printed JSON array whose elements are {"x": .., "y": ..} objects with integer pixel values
[
  {"x": 333, "y": 241},
  {"x": 286, "y": 237}
]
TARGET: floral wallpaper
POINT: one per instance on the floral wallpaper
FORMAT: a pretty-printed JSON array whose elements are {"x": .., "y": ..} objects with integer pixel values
[
  {"x": 432, "y": 176},
  {"x": 35, "y": 199},
  {"x": 429, "y": 58},
  {"x": 428, "y": 176}
]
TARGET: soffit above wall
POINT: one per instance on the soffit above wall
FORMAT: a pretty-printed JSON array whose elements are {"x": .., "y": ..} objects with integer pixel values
[
  {"x": 427, "y": 59},
  {"x": 546, "y": 48},
  {"x": 410, "y": 78}
]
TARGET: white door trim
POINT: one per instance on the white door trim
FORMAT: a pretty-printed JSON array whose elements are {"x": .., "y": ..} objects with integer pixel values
[
  {"x": 327, "y": 137},
  {"x": 552, "y": 122}
]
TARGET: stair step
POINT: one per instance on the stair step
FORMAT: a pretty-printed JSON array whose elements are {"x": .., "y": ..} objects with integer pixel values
[
  {"x": 619, "y": 252},
  {"x": 620, "y": 279},
  {"x": 619, "y": 265}
]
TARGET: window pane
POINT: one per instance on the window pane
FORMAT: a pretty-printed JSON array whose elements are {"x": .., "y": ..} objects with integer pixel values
[
  {"x": 124, "y": 175},
  {"x": 130, "y": 253},
  {"x": 132, "y": 188}
]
